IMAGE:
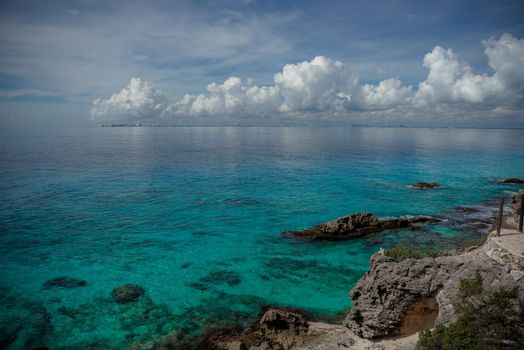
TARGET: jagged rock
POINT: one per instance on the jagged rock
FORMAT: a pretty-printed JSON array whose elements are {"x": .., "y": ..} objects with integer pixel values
[
  {"x": 64, "y": 282},
  {"x": 127, "y": 293},
  {"x": 384, "y": 294},
  {"x": 356, "y": 225},
  {"x": 277, "y": 328},
  {"x": 425, "y": 185},
  {"x": 513, "y": 180},
  {"x": 516, "y": 204}
]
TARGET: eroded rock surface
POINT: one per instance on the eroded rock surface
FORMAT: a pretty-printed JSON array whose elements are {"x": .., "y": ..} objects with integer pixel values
[
  {"x": 383, "y": 296},
  {"x": 277, "y": 328},
  {"x": 357, "y": 225}
]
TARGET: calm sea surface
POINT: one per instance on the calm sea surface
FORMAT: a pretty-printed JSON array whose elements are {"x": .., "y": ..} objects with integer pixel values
[{"x": 194, "y": 216}]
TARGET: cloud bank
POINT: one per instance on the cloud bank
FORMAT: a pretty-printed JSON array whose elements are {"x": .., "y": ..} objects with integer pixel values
[{"x": 323, "y": 88}]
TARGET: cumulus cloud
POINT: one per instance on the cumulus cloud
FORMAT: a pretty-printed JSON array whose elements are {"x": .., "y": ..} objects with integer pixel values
[
  {"x": 139, "y": 100},
  {"x": 323, "y": 86},
  {"x": 230, "y": 98},
  {"x": 451, "y": 80},
  {"x": 388, "y": 93},
  {"x": 312, "y": 86}
]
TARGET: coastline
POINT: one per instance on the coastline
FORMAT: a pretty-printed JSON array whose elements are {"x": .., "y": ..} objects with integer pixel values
[{"x": 388, "y": 313}]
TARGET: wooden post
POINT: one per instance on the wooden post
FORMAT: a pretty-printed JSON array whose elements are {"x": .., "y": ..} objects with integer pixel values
[
  {"x": 499, "y": 219},
  {"x": 521, "y": 212}
]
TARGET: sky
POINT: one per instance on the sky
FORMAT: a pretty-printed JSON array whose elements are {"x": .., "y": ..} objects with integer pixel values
[{"x": 254, "y": 62}]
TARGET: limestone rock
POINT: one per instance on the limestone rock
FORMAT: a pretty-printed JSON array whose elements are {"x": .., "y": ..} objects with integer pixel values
[
  {"x": 277, "y": 328},
  {"x": 384, "y": 294}
]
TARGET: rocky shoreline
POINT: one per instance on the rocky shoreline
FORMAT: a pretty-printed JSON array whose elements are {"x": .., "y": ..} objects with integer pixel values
[{"x": 393, "y": 301}]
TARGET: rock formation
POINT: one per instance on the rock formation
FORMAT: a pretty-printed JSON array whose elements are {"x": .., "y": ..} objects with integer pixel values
[
  {"x": 425, "y": 185},
  {"x": 356, "y": 225},
  {"x": 513, "y": 180},
  {"x": 384, "y": 295},
  {"x": 277, "y": 328}
]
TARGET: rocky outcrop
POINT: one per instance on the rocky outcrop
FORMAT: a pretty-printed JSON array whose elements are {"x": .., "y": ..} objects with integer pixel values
[
  {"x": 425, "y": 185},
  {"x": 127, "y": 293},
  {"x": 513, "y": 180},
  {"x": 357, "y": 225},
  {"x": 382, "y": 298},
  {"x": 277, "y": 328}
]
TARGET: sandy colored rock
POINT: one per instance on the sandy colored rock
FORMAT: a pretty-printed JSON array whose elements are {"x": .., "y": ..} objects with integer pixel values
[{"x": 383, "y": 296}]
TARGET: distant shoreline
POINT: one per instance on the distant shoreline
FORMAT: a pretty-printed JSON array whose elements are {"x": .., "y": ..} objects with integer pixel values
[{"x": 138, "y": 125}]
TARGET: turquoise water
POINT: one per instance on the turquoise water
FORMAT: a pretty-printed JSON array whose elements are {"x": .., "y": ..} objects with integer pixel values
[{"x": 194, "y": 216}]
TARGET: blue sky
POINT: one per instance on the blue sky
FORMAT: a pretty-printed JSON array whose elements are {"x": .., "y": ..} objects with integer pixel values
[{"x": 58, "y": 57}]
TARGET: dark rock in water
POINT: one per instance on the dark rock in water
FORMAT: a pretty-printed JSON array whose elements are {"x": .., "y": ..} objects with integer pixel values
[
  {"x": 127, "y": 293},
  {"x": 198, "y": 286},
  {"x": 277, "y": 328},
  {"x": 64, "y": 282},
  {"x": 232, "y": 278},
  {"x": 426, "y": 185},
  {"x": 468, "y": 209},
  {"x": 513, "y": 180},
  {"x": 356, "y": 225},
  {"x": 216, "y": 277}
]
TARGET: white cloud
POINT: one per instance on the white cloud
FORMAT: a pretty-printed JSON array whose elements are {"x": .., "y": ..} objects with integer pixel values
[
  {"x": 323, "y": 87},
  {"x": 312, "y": 86},
  {"x": 506, "y": 57},
  {"x": 450, "y": 80},
  {"x": 388, "y": 93},
  {"x": 231, "y": 98},
  {"x": 139, "y": 100}
]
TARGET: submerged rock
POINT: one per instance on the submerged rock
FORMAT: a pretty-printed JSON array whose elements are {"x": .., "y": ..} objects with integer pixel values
[
  {"x": 127, "y": 293},
  {"x": 468, "y": 209},
  {"x": 64, "y": 282},
  {"x": 217, "y": 277},
  {"x": 425, "y": 185},
  {"x": 277, "y": 328},
  {"x": 513, "y": 180},
  {"x": 356, "y": 225}
]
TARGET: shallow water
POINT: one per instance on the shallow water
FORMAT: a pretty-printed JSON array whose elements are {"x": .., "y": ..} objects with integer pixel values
[{"x": 194, "y": 216}]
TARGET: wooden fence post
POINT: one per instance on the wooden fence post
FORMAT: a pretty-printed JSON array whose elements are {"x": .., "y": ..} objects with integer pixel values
[
  {"x": 521, "y": 212},
  {"x": 499, "y": 219}
]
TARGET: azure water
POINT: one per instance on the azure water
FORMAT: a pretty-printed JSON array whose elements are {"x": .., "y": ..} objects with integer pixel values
[{"x": 194, "y": 216}]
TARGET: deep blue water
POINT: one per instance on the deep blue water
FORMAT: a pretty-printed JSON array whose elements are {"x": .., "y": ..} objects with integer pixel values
[{"x": 194, "y": 216}]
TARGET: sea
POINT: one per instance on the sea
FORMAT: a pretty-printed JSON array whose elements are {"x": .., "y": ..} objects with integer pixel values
[{"x": 194, "y": 216}]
